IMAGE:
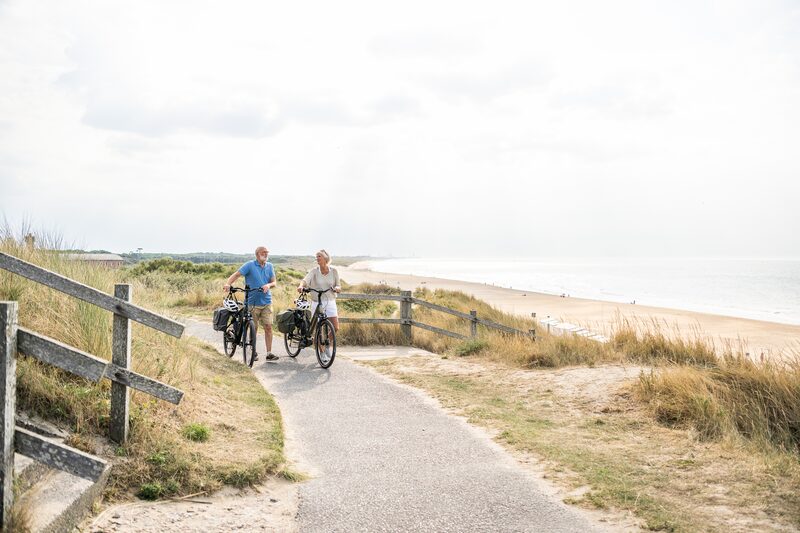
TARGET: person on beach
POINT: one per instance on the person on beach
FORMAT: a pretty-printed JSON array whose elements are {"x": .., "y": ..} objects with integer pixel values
[
  {"x": 321, "y": 277},
  {"x": 259, "y": 273}
]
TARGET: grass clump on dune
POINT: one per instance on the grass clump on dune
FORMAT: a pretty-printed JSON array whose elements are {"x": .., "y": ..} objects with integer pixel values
[
  {"x": 246, "y": 447},
  {"x": 738, "y": 399}
]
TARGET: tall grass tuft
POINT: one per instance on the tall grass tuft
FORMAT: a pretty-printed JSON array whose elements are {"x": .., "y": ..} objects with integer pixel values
[
  {"x": 739, "y": 398},
  {"x": 652, "y": 342}
]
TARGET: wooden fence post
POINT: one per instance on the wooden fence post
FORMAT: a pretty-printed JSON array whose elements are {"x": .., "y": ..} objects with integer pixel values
[
  {"x": 405, "y": 314},
  {"x": 120, "y": 356},
  {"x": 8, "y": 406},
  {"x": 473, "y": 325}
]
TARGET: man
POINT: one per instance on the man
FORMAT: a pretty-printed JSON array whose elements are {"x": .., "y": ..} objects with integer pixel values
[{"x": 259, "y": 273}]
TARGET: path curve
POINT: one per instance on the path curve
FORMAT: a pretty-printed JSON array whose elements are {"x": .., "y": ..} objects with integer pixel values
[{"x": 384, "y": 457}]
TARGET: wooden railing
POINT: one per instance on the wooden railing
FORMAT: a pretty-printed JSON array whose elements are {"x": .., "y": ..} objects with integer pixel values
[
  {"x": 14, "y": 339},
  {"x": 407, "y": 322}
]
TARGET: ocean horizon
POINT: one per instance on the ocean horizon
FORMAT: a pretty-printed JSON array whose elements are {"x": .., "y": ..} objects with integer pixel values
[{"x": 761, "y": 289}]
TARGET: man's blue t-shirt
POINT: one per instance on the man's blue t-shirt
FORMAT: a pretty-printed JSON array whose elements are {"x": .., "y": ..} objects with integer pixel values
[{"x": 257, "y": 276}]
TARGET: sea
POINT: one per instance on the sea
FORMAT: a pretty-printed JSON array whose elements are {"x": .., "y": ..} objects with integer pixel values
[{"x": 761, "y": 289}]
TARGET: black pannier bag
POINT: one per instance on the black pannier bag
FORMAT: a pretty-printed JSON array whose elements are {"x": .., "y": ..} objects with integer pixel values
[
  {"x": 302, "y": 319},
  {"x": 285, "y": 321},
  {"x": 221, "y": 319}
]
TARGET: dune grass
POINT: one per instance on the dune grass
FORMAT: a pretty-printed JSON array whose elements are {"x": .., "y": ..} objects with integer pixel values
[
  {"x": 237, "y": 450},
  {"x": 718, "y": 391},
  {"x": 622, "y": 446}
]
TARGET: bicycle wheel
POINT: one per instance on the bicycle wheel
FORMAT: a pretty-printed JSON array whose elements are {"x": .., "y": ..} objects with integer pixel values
[
  {"x": 292, "y": 342},
  {"x": 325, "y": 343},
  {"x": 249, "y": 343},
  {"x": 229, "y": 341}
]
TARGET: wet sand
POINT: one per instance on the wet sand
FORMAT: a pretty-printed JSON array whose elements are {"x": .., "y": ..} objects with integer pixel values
[{"x": 759, "y": 337}]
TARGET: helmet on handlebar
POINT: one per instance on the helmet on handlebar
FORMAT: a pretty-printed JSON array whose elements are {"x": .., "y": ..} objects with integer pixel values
[
  {"x": 230, "y": 304},
  {"x": 302, "y": 304}
]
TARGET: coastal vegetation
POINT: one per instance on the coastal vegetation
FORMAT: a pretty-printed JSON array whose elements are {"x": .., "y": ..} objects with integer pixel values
[
  {"x": 654, "y": 422},
  {"x": 681, "y": 393},
  {"x": 173, "y": 450},
  {"x": 665, "y": 426}
]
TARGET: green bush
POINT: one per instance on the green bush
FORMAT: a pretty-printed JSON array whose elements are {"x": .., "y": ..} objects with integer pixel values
[
  {"x": 289, "y": 275},
  {"x": 470, "y": 347},
  {"x": 196, "y": 432},
  {"x": 158, "y": 458},
  {"x": 358, "y": 306},
  {"x": 151, "y": 491},
  {"x": 169, "y": 265}
]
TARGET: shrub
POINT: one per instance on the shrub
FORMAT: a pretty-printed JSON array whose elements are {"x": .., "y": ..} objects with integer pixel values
[
  {"x": 470, "y": 347},
  {"x": 196, "y": 432},
  {"x": 151, "y": 491},
  {"x": 358, "y": 306},
  {"x": 171, "y": 266}
]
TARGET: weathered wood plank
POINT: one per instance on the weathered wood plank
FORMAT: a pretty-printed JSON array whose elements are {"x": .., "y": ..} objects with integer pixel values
[
  {"x": 58, "y": 456},
  {"x": 473, "y": 324},
  {"x": 438, "y": 330},
  {"x": 347, "y": 320},
  {"x": 90, "y": 294},
  {"x": 405, "y": 311},
  {"x": 118, "y": 425},
  {"x": 405, "y": 315},
  {"x": 355, "y": 296},
  {"x": 91, "y": 367},
  {"x": 501, "y": 327},
  {"x": 131, "y": 379},
  {"x": 467, "y": 316},
  {"x": 59, "y": 354},
  {"x": 441, "y": 308},
  {"x": 8, "y": 407}
]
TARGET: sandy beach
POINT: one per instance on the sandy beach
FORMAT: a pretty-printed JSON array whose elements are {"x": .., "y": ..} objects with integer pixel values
[{"x": 769, "y": 338}]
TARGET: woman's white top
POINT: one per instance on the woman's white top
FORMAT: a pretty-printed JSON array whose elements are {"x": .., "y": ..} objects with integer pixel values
[{"x": 315, "y": 279}]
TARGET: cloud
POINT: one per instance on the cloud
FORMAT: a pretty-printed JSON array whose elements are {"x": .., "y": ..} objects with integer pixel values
[
  {"x": 617, "y": 101},
  {"x": 414, "y": 44},
  {"x": 487, "y": 86},
  {"x": 235, "y": 120}
]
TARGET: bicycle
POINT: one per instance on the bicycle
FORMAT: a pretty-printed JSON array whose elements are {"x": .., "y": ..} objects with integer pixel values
[
  {"x": 318, "y": 327},
  {"x": 241, "y": 330}
]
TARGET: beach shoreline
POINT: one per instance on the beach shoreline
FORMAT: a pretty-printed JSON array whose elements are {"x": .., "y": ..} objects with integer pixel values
[{"x": 757, "y": 336}]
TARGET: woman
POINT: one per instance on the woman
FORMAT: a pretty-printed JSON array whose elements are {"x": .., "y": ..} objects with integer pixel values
[{"x": 321, "y": 277}]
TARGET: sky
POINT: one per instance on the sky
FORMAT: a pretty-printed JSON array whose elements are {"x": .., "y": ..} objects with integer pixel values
[{"x": 486, "y": 129}]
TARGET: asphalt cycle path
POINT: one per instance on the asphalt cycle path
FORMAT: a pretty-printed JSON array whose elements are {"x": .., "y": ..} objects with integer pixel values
[{"x": 384, "y": 457}]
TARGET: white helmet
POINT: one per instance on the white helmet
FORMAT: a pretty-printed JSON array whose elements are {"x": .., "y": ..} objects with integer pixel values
[
  {"x": 302, "y": 304},
  {"x": 230, "y": 304}
]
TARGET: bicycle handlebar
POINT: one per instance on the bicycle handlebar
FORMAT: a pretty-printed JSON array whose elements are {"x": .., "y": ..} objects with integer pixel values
[
  {"x": 239, "y": 289},
  {"x": 309, "y": 289}
]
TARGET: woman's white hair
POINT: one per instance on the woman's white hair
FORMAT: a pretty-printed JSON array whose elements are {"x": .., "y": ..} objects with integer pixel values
[{"x": 325, "y": 254}]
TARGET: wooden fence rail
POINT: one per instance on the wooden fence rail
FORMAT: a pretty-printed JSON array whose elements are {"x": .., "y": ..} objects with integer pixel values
[
  {"x": 118, "y": 306},
  {"x": 14, "y": 339},
  {"x": 407, "y": 322}
]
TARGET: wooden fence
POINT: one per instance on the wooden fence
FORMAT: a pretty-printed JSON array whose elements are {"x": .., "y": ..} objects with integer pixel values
[
  {"x": 14, "y": 339},
  {"x": 407, "y": 322}
]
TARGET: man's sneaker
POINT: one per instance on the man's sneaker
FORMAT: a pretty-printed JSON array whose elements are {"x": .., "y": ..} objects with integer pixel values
[{"x": 271, "y": 358}]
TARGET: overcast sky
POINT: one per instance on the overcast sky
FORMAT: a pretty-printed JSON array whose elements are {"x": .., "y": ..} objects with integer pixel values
[{"x": 411, "y": 128}]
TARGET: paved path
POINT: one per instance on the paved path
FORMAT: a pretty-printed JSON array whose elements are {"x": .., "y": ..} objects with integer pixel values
[{"x": 383, "y": 457}]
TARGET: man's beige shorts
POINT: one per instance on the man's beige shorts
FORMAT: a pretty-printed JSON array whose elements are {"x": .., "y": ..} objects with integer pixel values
[{"x": 262, "y": 314}]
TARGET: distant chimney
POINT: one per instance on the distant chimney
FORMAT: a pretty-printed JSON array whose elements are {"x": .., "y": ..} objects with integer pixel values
[{"x": 30, "y": 240}]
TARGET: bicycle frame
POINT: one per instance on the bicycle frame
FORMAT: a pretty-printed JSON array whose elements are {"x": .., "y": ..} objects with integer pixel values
[
  {"x": 318, "y": 315},
  {"x": 244, "y": 314}
]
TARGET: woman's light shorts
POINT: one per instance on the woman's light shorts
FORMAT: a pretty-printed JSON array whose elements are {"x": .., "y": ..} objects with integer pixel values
[{"x": 329, "y": 306}]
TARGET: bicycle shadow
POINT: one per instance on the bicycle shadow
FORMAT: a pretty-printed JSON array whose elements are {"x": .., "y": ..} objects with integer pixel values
[{"x": 292, "y": 374}]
